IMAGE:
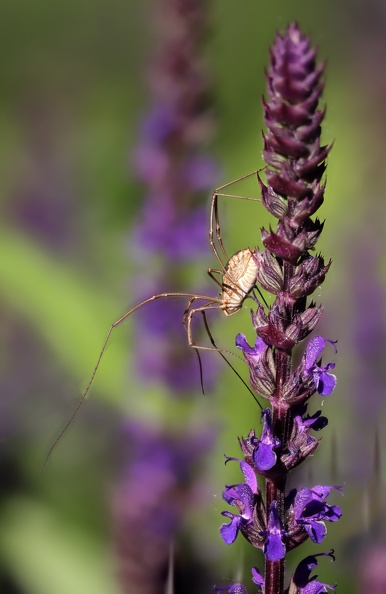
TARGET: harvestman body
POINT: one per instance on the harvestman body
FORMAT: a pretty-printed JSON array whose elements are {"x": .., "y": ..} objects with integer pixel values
[{"x": 238, "y": 274}]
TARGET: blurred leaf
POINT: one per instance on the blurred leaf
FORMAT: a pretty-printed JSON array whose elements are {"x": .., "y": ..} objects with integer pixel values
[
  {"x": 46, "y": 555},
  {"x": 65, "y": 309}
]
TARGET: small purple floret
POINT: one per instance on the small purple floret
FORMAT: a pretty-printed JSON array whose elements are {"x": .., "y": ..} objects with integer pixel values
[
  {"x": 325, "y": 381},
  {"x": 274, "y": 548},
  {"x": 264, "y": 456},
  {"x": 312, "y": 511},
  {"x": 241, "y": 496},
  {"x": 252, "y": 354},
  {"x": 257, "y": 578}
]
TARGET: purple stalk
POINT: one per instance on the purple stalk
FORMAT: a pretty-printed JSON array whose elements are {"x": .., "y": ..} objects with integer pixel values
[{"x": 270, "y": 518}]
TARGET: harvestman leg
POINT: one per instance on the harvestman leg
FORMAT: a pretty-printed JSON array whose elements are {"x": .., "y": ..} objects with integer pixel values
[
  {"x": 215, "y": 223},
  {"x": 214, "y": 217},
  {"x": 226, "y": 360},
  {"x": 212, "y": 301},
  {"x": 187, "y": 323}
]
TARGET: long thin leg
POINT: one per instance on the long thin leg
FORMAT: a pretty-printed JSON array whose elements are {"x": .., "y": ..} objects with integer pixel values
[
  {"x": 214, "y": 218},
  {"x": 193, "y": 298},
  {"x": 235, "y": 181},
  {"x": 226, "y": 360},
  {"x": 186, "y": 312},
  {"x": 212, "y": 272},
  {"x": 188, "y": 327}
]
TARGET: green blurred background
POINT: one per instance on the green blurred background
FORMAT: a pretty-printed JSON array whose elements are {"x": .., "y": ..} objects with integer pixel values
[{"x": 72, "y": 92}]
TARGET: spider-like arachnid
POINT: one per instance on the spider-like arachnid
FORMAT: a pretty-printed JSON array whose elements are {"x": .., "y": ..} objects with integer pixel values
[{"x": 238, "y": 279}]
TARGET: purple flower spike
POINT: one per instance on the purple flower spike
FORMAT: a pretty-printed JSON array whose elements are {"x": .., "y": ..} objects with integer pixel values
[
  {"x": 312, "y": 511},
  {"x": 264, "y": 456},
  {"x": 274, "y": 548},
  {"x": 289, "y": 269},
  {"x": 325, "y": 381},
  {"x": 301, "y": 578}
]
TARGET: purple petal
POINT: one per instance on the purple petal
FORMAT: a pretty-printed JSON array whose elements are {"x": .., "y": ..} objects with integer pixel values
[
  {"x": 230, "y": 531},
  {"x": 264, "y": 457},
  {"x": 314, "y": 350},
  {"x": 257, "y": 578},
  {"x": 315, "y": 422},
  {"x": 316, "y": 587},
  {"x": 316, "y": 531},
  {"x": 253, "y": 352},
  {"x": 334, "y": 513},
  {"x": 248, "y": 472},
  {"x": 274, "y": 549},
  {"x": 250, "y": 476},
  {"x": 326, "y": 383}
]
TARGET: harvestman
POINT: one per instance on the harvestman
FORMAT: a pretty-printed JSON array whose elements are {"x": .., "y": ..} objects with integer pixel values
[{"x": 238, "y": 281}]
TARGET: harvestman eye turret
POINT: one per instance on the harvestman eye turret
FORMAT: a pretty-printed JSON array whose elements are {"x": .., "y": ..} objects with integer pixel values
[{"x": 238, "y": 279}]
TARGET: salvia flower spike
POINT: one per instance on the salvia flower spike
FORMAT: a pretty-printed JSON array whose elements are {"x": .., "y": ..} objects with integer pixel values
[{"x": 289, "y": 268}]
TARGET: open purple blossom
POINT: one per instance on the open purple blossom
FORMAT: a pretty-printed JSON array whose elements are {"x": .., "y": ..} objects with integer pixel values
[
  {"x": 301, "y": 578},
  {"x": 274, "y": 547},
  {"x": 258, "y": 360},
  {"x": 240, "y": 496},
  {"x": 264, "y": 456},
  {"x": 325, "y": 381},
  {"x": 311, "y": 511}
]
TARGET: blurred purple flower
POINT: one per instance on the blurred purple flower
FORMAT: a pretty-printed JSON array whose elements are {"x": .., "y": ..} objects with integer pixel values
[
  {"x": 173, "y": 163},
  {"x": 150, "y": 500}
]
